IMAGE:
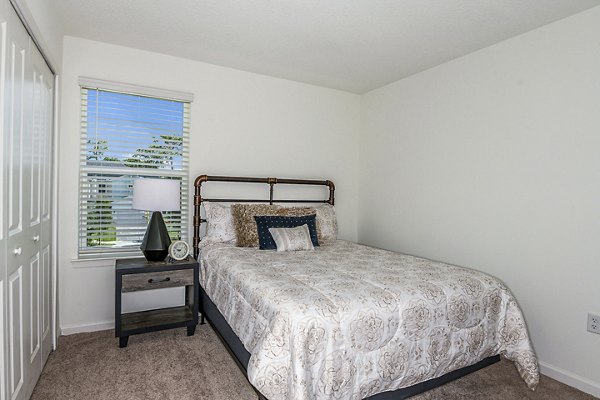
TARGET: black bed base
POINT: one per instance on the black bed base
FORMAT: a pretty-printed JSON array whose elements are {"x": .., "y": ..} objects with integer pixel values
[{"x": 241, "y": 356}]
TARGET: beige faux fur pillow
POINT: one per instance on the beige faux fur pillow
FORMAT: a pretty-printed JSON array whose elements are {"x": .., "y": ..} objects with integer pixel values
[
  {"x": 296, "y": 211},
  {"x": 243, "y": 221},
  {"x": 245, "y": 225}
]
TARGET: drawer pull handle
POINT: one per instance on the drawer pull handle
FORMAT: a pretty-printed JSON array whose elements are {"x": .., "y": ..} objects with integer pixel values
[
  {"x": 17, "y": 251},
  {"x": 167, "y": 279}
]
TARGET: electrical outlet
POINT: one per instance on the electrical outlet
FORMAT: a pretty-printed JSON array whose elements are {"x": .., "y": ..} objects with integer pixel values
[{"x": 593, "y": 323}]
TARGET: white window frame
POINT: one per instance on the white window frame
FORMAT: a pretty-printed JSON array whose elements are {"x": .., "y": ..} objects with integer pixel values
[{"x": 93, "y": 252}]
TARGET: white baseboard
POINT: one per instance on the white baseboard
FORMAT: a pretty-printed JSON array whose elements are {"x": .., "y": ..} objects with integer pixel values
[
  {"x": 97, "y": 326},
  {"x": 571, "y": 379}
]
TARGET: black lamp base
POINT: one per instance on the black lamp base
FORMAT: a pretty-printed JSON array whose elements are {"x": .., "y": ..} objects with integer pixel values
[{"x": 155, "y": 245}]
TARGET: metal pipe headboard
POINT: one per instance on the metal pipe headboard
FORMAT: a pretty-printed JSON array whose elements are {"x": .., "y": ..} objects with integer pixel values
[{"x": 198, "y": 220}]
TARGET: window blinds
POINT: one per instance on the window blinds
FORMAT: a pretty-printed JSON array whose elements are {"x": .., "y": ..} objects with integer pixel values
[{"x": 126, "y": 136}]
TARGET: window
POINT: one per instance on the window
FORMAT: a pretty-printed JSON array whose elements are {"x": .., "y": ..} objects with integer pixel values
[{"x": 127, "y": 135}]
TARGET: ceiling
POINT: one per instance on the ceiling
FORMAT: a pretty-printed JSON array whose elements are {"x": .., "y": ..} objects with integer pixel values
[{"x": 352, "y": 45}]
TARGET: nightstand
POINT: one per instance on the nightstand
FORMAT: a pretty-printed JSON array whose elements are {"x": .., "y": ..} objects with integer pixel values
[{"x": 135, "y": 274}]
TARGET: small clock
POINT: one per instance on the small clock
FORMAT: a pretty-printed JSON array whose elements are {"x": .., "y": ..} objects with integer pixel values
[{"x": 179, "y": 250}]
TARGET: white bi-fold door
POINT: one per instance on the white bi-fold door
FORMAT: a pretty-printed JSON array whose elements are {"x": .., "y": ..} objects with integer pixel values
[
  {"x": 26, "y": 98},
  {"x": 15, "y": 54}
]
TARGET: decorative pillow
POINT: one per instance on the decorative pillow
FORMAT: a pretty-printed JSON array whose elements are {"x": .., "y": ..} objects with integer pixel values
[
  {"x": 292, "y": 239},
  {"x": 219, "y": 223},
  {"x": 326, "y": 222},
  {"x": 263, "y": 223},
  {"x": 327, "y": 228},
  {"x": 296, "y": 211},
  {"x": 243, "y": 221}
]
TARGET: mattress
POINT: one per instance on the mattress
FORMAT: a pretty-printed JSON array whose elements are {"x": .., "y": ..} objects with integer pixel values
[{"x": 347, "y": 321}]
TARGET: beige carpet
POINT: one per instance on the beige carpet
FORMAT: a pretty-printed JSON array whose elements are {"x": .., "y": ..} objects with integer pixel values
[{"x": 170, "y": 365}]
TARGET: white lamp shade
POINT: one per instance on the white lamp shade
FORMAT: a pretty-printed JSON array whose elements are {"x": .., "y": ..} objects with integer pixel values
[{"x": 156, "y": 194}]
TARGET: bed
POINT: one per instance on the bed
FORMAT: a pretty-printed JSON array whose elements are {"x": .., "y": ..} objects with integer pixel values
[{"x": 347, "y": 321}]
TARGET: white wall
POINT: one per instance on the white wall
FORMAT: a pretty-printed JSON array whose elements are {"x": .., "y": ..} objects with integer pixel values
[
  {"x": 242, "y": 124},
  {"x": 493, "y": 161}
]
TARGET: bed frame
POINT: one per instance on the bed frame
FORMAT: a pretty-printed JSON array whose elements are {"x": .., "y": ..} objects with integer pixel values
[
  {"x": 198, "y": 220},
  {"x": 231, "y": 342}
]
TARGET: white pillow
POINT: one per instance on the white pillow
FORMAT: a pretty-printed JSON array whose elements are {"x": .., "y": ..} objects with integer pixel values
[
  {"x": 292, "y": 239},
  {"x": 219, "y": 223},
  {"x": 326, "y": 222}
]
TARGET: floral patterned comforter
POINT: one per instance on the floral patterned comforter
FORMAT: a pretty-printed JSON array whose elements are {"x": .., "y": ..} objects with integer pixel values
[{"x": 347, "y": 321}]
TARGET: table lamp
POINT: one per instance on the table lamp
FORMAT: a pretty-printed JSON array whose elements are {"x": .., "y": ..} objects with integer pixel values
[{"x": 156, "y": 195}]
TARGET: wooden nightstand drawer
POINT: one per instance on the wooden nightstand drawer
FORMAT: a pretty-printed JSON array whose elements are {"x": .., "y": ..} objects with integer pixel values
[{"x": 157, "y": 280}]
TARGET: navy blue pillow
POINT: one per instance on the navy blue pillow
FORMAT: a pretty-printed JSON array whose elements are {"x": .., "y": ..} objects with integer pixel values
[{"x": 263, "y": 223}]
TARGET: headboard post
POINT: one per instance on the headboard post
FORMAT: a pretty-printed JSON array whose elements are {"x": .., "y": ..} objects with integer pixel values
[
  {"x": 198, "y": 220},
  {"x": 331, "y": 199},
  {"x": 197, "y": 217}
]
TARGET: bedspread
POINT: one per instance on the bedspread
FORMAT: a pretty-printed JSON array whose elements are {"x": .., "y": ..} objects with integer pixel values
[{"x": 347, "y": 321}]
